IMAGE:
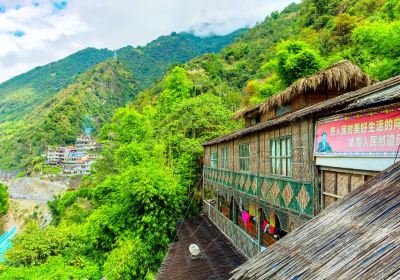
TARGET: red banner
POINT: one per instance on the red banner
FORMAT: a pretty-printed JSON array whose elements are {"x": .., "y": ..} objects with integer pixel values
[{"x": 363, "y": 134}]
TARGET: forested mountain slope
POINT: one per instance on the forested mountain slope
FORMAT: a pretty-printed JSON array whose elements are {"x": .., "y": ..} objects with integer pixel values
[
  {"x": 148, "y": 63},
  {"x": 23, "y": 98},
  {"x": 20, "y": 94},
  {"x": 121, "y": 220},
  {"x": 296, "y": 42},
  {"x": 90, "y": 100}
]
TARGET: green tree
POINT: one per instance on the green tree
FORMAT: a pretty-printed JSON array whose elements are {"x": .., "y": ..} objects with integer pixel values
[
  {"x": 4, "y": 200},
  {"x": 296, "y": 60},
  {"x": 128, "y": 260},
  {"x": 177, "y": 87}
]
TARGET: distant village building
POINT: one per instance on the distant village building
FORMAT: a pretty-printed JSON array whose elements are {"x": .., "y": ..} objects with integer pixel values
[
  {"x": 74, "y": 160},
  {"x": 87, "y": 143},
  {"x": 301, "y": 150}
]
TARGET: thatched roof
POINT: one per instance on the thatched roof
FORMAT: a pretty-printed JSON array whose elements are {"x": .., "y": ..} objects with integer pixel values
[
  {"x": 356, "y": 238},
  {"x": 340, "y": 77},
  {"x": 247, "y": 112},
  {"x": 373, "y": 95}
]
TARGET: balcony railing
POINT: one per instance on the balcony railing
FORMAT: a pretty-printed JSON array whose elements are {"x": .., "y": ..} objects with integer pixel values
[
  {"x": 237, "y": 236},
  {"x": 279, "y": 191}
]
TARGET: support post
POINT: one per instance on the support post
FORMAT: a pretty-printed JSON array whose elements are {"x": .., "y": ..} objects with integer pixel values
[
  {"x": 235, "y": 212},
  {"x": 259, "y": 229}
]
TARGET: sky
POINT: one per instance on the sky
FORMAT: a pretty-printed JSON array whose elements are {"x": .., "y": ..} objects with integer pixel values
[{"x": 36, "y": 32}]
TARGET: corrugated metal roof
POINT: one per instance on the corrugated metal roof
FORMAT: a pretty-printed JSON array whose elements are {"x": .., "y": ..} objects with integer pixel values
[
  {"x": 356, "y": 238},
  {"x": 215, "y": 263}
]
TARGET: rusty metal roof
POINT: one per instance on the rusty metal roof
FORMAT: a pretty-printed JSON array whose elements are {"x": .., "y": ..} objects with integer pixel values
[
  {"x": 215, "y": 263},
  {"x": 356, "y": 238}
]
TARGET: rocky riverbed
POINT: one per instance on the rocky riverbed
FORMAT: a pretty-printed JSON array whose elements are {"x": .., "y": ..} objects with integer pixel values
[{"x": 29, "y": 197}]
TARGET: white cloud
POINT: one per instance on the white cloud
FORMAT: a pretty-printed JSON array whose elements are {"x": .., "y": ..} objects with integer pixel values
[{"x": 47, "y": 33}]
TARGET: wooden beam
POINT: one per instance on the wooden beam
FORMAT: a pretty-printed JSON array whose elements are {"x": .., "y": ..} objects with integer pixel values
[{"x": 332, "y": 195}]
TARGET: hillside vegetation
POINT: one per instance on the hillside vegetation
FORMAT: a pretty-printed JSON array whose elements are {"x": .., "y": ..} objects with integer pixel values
[
  {"x": 19, "y": 95},
  {"x": 149, "y": 63},
  {"x": 121, "y": 220},
  {"x": 95, "y": 95},
  {"x": 296, "y": 42},
  {"x": 25, "y": 123},
  {"x": 22, "y": 93}
]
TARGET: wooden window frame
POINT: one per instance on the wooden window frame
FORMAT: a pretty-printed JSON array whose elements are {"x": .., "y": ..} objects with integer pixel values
[
  {"x": 282, "y": 110},
  {"x": 278, "y": 158},
  {"x": 214, "y": 161},
  {"x": 225, "y": 158},
  {"x": 244, "y": 161},
  {"x": 255, "y": 120}
]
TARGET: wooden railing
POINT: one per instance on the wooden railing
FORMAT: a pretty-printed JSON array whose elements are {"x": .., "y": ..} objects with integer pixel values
[
  {"x": 243, "y": 241},
  {"x": 283, "y": 192}
]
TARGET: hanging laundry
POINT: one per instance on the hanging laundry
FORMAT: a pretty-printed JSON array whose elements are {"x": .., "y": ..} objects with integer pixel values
[
  {"x": 245, "y": 217},
  {"x": 271, "y": 230},
  {"x": 272, "y": 218},
  {"x": 265, "y": 226},
  {"x": 272, "y": 221},
  {"x": 251, "y": 220},
  {"x": 253, "y": 211}
]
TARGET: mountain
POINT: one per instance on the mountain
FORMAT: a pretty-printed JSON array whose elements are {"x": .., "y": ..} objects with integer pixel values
[
  {"x": 20, "y": 94},
  {"x": 148, "y": 63},
  {"x": 90, "y": 100},
  {"x": 24, "y": 95},
  {"x": 121, "y": 222},
  {"x": 296, "y": 42}
]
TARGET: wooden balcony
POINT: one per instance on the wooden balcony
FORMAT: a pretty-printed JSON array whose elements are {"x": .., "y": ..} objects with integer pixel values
[
  {"x": 280, "y": 192},
  {"x": 241, "y": 239}
]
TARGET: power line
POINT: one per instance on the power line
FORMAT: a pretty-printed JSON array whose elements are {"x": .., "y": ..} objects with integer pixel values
[
  {"x": 197, "y": 228},
  {"x": 211, "y": 242},
  {"x": 169, "y": 220},
  {"x": 187, "y": 210}
]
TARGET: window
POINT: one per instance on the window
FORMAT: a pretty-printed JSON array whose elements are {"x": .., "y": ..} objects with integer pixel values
[
  {"x": 225, "y": 159},
  {"x": 244, "y": 157},
  {"x": 255, "y": 120},
  {"x": 214, "y": 160},
  {"x": 281, "y": 156},
  {"x": 283, "y": 110}
]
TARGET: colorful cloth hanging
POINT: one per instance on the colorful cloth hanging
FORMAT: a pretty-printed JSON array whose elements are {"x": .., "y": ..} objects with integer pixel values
[
  {"x": 265, "y": 227},
  {"x": 272, "y": 221},
  {"x": 245, "y": 217}
]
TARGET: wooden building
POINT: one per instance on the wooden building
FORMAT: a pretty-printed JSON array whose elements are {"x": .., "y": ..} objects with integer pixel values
[
  {"x": 357, "y": 238},
  {"x": 263, "y": 181}
]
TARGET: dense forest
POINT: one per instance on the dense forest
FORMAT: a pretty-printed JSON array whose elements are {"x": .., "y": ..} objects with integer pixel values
[
  {"x": 121, "y": 220},
  {"x": 44, "y": 86}
]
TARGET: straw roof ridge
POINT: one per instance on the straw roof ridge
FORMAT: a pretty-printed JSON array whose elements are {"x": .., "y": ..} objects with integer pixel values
[
  {"x": 239, "y": 115},
  {"x": 349, "y": 99},
  {"x": 341, "y": 75}
]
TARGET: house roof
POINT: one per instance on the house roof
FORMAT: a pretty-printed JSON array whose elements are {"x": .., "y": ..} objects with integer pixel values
[
  {"x": 371, "y": 95},
  {"x": 355, "y": 238},
  {"x": 71, "y": 147},
  {"x": 342, "y": 76},
  {"x": 216, "y": 262}
]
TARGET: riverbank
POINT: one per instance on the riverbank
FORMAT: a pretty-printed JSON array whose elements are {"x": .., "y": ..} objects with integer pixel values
[{"x": 29, "y": 197}]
